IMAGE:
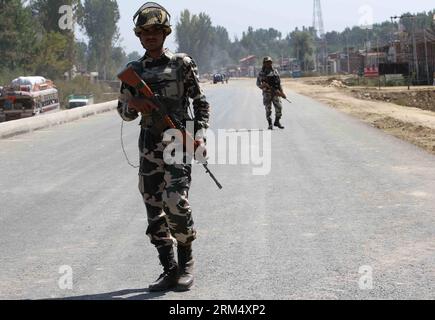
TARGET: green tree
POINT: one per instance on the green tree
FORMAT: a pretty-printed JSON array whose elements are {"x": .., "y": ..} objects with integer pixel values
[
  {"x": 17, "y": 35},
  {"x": 117, "y": 62},
  {"x": 195, "y": 36},
  {"x": 81, "y": 55},
  {"x": 237, "y": 51},
  {"x": 212, "y": 48},
  {"x": 99, "y": 19},
  {"x": 263, "y": 42},
  {"x": 52, "y": 59},
  {"x": 381, "y": 34},
  {"x": 302, "y": 43},
  {"x": 47, "y": 12},
  {"x": 418, "y": 21},
  {"x": 52, "y": 18},
  {"x": 220, "y": 44}
]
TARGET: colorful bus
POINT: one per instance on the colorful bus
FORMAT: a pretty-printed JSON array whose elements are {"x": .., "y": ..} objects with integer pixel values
[{"x": 28, "y": 97}]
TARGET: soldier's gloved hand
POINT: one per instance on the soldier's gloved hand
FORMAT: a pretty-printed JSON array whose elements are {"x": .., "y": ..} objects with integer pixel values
[
  {"x": 141, "y": 104},
  {"x": 281, "y": 94}
]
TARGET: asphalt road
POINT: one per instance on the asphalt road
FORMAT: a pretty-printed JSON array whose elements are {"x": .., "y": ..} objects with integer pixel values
[{"x": 340, "y": 195}]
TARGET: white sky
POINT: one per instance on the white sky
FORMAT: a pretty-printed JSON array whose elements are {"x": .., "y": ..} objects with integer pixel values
[{"x": 283, "y": 15}]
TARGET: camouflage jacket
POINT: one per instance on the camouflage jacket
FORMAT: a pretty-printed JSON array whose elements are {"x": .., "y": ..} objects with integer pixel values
[
  {"x": 271, "y": 77},
  {"x": 174, "y": 77}
]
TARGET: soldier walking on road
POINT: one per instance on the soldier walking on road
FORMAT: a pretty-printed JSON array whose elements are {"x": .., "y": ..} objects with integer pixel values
[
  {"x": 270, "y": 82},
  {"x": 165, "y": 187}
]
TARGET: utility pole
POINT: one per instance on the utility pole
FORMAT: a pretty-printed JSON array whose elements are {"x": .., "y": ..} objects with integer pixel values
[
  {"x": 348, "y": 53},
  {"x": 427, "y": 62},
  {"x": 367, "y": 47},
  {"x": 377, "y": 52},
  {"x": 378, "y": 61},
  {"x": 319, "y": 30},
  {"x": 414, "y": 45}
]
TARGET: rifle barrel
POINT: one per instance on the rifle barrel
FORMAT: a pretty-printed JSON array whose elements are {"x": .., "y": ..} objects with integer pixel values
[{"x": 212, "y": 175}]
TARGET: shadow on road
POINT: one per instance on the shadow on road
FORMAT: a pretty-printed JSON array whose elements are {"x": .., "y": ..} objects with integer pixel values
[{"x": 128, "y": 294}]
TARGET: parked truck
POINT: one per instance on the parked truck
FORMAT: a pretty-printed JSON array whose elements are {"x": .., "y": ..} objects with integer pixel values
[{"x": 27, "y": 97}]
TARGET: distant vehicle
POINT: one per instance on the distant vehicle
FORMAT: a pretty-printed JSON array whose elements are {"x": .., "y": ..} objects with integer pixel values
[
  {"x": 296, "y": 71},
  {"x": 27, "y": 97},
  {"x": 296, "y": 74},
  {"x": 77, "y": 101},
  {"x": 218, "y": 78}
]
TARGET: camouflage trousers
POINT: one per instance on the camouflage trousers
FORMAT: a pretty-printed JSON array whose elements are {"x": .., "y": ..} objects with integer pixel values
[
  {"x": 268, "y": 100},
  {"x": 165, "y": 191}
]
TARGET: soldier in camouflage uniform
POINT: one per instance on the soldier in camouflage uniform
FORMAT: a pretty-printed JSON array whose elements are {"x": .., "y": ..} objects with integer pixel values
[
  {"x": 270, "y": 82},
  {"x": 165, "y": 187}
]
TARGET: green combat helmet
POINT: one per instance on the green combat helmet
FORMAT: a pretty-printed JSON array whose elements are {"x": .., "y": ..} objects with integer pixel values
[
  {"x": 152, "y": 14},
  {"x": 267, "y": 59}
]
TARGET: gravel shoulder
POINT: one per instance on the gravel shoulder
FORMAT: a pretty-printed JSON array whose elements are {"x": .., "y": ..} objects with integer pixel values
[{"x": 407, "y": 123}]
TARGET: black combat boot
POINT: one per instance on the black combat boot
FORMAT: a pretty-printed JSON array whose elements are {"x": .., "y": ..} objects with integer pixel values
[
  {"x": 278, "y": 124},
  {"x": 185, "y": 263},
  {"x": 270, "y": 124},
  {"x": 168, "y": 279}
]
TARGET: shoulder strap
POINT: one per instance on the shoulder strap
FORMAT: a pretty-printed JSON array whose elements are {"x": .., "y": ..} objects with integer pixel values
[{"x": 178, "y": 60}]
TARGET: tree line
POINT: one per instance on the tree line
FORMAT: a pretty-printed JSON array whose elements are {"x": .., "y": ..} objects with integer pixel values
[
  {"x": 37, "y": 37},
  {"x": 212, "y": 47},
  {"x": 34, "y": 39}
]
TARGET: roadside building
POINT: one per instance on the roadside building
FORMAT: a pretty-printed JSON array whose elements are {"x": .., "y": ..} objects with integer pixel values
[
  {"x": 247, "y": 66},
  {"x": 347, "y": 61},
  {"x": 417, "y": 50},
  {"x": 233, "y": 71}
]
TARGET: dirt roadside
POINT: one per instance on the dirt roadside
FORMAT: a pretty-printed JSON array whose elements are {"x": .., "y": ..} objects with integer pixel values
[{"x": 408, "y": 123}]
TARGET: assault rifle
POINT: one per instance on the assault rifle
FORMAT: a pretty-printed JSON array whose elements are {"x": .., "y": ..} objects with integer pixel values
[
  {"x": 275, "y": 92},
  {"x": 131, "y": 78}
]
